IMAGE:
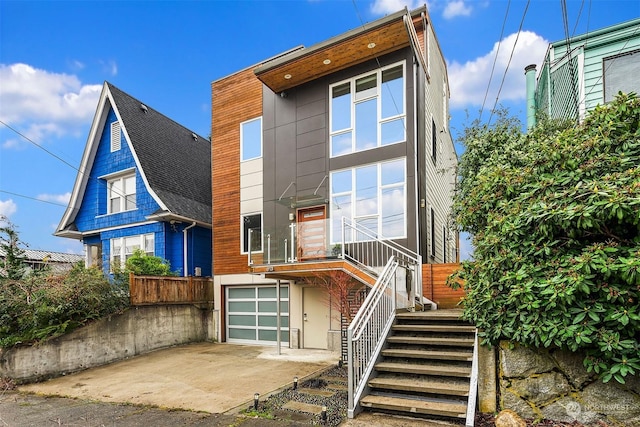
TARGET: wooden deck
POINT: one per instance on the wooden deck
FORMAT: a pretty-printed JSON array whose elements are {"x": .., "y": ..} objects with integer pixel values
[{"x": 301, "y": 270}]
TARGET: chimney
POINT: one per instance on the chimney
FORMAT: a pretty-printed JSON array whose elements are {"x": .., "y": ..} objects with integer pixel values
[{"x": 530, "y": 73}]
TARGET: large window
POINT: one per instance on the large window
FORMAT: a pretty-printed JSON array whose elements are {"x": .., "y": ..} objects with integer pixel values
[
  {"x": 368, "y": 111},
  {"x": 251, "y": 139},
  {"x": 621, "y": 74},
  {"x": 252, "y": 223},
  {"x": 122, "y": 193},
  {"x": 373, "y": 196},
  {"x": 122, "y": 248}
]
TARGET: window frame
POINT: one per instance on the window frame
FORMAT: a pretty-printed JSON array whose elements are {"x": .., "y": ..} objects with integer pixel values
[
  {"x": 434, "y": 140},
  {"x": 123, "y": 197},
  {"x": 243, "y": 243},
  {"x": 373, "y": 93},
  {"x": 242, "y": 139},
  {"x": 121, "y": 242},
  {"x": 353, "y": 197},
  {"x": 432, "y": 220}
]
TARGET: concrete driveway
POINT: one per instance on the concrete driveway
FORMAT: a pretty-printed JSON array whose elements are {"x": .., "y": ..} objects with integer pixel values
[{"x": 215, "y": 378}]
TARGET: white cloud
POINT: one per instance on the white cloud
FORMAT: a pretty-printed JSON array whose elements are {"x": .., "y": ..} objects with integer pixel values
[
  {"x": 41, "y": 104},
  {"x": 110, "y": 67},
  {"x": 62, "y": 199},
  {"x": 456, "y": 8},
  {"x": 469, "y": 81},
  {"x": 385, "y": 7},
  {"x": 7, "y": 208}
]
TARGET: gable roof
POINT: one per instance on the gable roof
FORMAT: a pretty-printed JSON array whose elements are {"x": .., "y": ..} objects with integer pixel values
[{"x": 174, "y": 162}]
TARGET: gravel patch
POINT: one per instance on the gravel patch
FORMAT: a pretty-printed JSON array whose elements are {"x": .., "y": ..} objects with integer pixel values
[{"x": 336, "y": 403}]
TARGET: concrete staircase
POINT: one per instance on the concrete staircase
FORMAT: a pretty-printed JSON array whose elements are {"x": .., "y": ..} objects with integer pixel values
[{"x": 425, "y": 368}]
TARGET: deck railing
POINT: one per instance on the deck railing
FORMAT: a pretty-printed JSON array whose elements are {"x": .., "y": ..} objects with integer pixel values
[{"x": 366, "y": 334}]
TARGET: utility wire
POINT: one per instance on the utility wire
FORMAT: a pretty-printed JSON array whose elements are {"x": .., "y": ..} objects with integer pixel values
[
  {"x": 509, "y": 63},
  {"x": 495, "y": 59},
  {"x": 32, "y": 198}
]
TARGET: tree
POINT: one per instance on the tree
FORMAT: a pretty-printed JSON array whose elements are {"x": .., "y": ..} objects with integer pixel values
[
  {"x": 13, "y": 264},
  {"x": 555, "y": 225}
]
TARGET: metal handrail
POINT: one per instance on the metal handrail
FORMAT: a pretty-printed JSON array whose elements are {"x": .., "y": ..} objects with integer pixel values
[
  {"x": 368, "y": 330},
  {"x": 473, "y": 386},
  {"x": 371, "y": 252}
]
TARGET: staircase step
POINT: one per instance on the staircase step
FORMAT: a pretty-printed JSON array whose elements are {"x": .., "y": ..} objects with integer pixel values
[
  {"x": 428, "y": 354},
  {"x": 417, "y": 385},
  {"x": 425, "y": 369},
  {"x": 458, "y": 342},
  {"x": 443, "y": 409},
  {"x": 435, "y": 328},
  {"x": 447, "y": 315}
]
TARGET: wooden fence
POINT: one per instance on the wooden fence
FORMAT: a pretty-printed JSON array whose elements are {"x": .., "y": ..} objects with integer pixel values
[
  {"x": 434, "y": 285},
  {"x": 149, "y": 290}
]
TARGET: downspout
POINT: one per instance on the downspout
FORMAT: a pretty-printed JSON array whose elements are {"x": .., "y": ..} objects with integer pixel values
[
  {"x": 184, "y": 248},
  {"x": 530, "y": 73}
]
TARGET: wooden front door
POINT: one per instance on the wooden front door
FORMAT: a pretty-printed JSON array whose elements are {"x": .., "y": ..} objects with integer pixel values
[{"x": 312, "y": 233}]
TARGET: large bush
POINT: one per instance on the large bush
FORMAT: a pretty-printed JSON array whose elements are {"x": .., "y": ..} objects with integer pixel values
[
  {"x": 555, "y": 220},
  {"x": 41, "y": 306}
]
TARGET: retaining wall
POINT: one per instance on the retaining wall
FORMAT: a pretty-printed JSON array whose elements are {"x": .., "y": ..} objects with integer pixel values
[
  {"x": 138, "y": 330},
  {"x": 553, "y": 384}
]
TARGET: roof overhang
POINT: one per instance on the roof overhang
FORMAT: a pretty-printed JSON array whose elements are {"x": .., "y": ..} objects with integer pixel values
[
  {"x": 369, "y": 41},
  {"x": 71, "y": 234},
  {"x": 166, "y": 216}
]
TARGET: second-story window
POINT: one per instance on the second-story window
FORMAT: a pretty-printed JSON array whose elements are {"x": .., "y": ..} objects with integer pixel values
[
  {"x": 251, "y": 139},
  {"x": 368, "y": 111},
  {"x": 122, "y": 193}
]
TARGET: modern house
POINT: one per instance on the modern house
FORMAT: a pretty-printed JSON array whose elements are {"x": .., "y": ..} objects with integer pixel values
[
  {"x": 328, "y": 162},
  {"x": 581, "y": 72},
  {"x": 144, "y": 182}
]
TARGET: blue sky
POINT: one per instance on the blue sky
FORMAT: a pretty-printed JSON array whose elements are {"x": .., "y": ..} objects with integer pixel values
[{"x": 55, "y": 55}]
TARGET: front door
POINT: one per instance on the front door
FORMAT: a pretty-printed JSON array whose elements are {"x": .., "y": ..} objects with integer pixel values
[
  {"x": 312, "y": 233},
  {"x": 315, "y": 318}
]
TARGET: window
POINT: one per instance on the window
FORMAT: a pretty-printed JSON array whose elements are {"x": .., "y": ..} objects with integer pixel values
[
  {"x": 251, "y": 139},
  {"x": 368, "y": 111},
  {"x": 122, "y": 193},
  {"x": 620, "y": 74},
  {"x": 252, "y": 222},
  {"x": 373, "y": 196},
  {"x": 433, "y": 233},
  {"x": 122, "y": 248},
  {"x": 116, "y": 136},
  {"x": 434, "y": 140}
]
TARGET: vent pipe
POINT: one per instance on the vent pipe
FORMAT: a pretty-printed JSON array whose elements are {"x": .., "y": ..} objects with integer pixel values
[{"x": 530, "y": 74}]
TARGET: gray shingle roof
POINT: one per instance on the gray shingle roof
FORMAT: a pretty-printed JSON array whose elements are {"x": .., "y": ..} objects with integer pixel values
[{"x": 177, "y": 165}]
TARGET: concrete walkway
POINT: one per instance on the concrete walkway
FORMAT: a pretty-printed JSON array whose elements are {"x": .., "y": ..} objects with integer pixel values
[{"x": 215, "y": 378}]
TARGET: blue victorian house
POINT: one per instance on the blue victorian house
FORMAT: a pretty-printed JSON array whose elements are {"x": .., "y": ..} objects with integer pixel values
[{"x": 144, "y": 183}]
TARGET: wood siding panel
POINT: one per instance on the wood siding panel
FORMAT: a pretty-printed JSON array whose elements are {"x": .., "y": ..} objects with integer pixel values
[
  {"x": 235, "y": 99},
  {"x": 434, "y": 285}
]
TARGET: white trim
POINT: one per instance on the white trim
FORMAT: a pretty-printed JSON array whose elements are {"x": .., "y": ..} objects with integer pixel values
[
  {"x": 135, "y": 156},
  {"x": 115, "y": 136},
  {"x": 117, "y": 174}
]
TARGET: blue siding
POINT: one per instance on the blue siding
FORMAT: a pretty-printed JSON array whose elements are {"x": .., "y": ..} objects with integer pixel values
[
  {"x": 93, "y": 210},
  {"x": 92, "y": 215}
]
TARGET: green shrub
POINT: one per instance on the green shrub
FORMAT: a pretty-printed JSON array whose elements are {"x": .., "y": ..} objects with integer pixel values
[
  {"x": 39, "y": 307},
  {"x": 556, "y": 230}
]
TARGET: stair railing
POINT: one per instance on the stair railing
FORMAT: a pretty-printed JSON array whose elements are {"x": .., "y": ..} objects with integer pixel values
[
  {"x": 368, "y": 330},
  {"x": 473, "y": 386},
  {"x": 364, "y": 248}
]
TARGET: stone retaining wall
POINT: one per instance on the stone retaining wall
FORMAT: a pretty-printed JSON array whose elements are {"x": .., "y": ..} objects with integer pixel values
[
  {"x": 553, "y": 384},
  {"x": 138, "y": 330}
]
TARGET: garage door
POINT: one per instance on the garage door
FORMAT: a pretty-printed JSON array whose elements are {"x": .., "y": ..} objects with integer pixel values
[{"x": 252, "y": 314}]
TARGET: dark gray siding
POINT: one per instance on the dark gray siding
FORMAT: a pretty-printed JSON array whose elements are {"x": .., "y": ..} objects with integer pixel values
[{"x": 296, "y": 135}]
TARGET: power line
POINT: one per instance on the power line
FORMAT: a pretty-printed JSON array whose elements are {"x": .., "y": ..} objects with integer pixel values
[
  {"x": 509, "y": 63},
  {"x": 495, "y": 59},
  {"x": 32, "y": 198}
]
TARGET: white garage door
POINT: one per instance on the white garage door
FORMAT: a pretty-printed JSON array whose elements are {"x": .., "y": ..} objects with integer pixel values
[{"x": 252, "y": 314}]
